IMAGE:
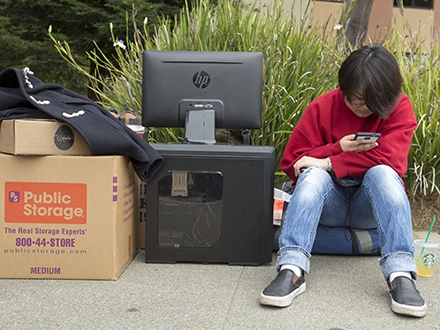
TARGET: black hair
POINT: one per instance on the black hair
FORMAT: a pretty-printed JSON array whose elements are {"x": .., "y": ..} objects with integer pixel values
[{"x": 371, "y": 72}]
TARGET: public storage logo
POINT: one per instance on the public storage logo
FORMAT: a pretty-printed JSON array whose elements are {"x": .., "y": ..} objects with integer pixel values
[{"x": 46, "y": 202}]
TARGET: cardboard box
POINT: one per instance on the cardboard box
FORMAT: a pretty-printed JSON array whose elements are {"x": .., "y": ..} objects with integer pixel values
[
  {"x": 40, "y": 137},
  {"x": 67, "y": 217}
]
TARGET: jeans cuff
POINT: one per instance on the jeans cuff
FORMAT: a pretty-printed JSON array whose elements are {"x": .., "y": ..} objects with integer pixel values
[
  {"x": 293, "y": 256},
  {"x": 398, "y": 263}
]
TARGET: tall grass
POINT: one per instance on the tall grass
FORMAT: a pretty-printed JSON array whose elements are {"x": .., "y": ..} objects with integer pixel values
[
  {"x": 421, "y": 82},
  {"x": 300, "y": 62}
]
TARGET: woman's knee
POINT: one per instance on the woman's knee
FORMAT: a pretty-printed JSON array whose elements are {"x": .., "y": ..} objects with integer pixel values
[
  {"x": 314, "y": 175},
  {"x": 384, "y": 179},
  {"x": 383, "y": 174},
  {"x": 314, "y": 182}
]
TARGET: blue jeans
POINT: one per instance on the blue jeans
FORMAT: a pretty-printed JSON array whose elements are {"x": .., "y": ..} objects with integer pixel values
[{"x": 378, "y": 202}]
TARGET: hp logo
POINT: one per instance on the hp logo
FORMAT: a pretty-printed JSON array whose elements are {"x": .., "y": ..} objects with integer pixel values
[{"x": 201, "y": 79}]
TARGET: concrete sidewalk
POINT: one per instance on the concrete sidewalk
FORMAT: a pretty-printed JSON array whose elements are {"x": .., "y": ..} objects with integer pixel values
[{"x": 342, "y": 293}]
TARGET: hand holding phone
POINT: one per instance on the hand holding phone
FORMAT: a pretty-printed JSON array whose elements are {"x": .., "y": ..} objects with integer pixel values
[{"x": 367, "y": 137}]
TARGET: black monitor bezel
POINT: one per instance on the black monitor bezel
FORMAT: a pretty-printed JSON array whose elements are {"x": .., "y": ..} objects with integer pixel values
[{"x": 235, "y": 95}]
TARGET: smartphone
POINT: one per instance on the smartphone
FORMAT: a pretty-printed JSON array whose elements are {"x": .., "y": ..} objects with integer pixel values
[{"x": 367, "y": 137}]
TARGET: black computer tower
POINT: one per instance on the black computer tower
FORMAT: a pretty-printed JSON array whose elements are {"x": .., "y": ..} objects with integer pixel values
[{"x": 211, "y": 204}]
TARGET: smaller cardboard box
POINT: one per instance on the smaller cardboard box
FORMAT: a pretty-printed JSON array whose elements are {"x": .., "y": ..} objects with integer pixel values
[
  {"x": 40, "y": 137},
  {"x": 67, "y": 217}
]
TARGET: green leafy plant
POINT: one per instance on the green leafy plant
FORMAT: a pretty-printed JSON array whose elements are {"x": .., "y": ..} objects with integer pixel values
[{"x": 300, "y": 62}]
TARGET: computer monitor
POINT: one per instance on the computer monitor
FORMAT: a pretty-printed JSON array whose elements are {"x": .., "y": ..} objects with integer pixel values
[{"x": 201, "y": 91}]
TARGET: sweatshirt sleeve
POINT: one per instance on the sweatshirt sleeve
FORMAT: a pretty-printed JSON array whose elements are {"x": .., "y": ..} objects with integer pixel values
[{"x": 308, "y": 138}]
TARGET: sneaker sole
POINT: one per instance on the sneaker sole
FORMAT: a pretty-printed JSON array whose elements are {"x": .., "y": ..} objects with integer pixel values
[
  {"x": 416, "y": 311},
  {"x": 281, "y": 301}
]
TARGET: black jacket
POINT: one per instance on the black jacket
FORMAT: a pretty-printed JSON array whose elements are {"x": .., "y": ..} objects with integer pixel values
[{"x": 22, "y": 95}]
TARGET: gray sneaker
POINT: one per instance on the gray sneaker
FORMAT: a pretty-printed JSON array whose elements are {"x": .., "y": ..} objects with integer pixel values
[{"x": 282, "y": 289}]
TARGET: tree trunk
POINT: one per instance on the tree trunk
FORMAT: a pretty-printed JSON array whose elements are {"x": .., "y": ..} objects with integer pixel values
[{"x": 356, "y": 15}]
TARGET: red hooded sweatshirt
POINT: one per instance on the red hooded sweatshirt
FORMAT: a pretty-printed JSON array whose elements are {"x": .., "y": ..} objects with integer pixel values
[{"x": 327, "y": 119}]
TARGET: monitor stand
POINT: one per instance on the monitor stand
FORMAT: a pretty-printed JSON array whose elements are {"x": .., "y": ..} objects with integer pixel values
[{"x": 200, "y": 127}]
